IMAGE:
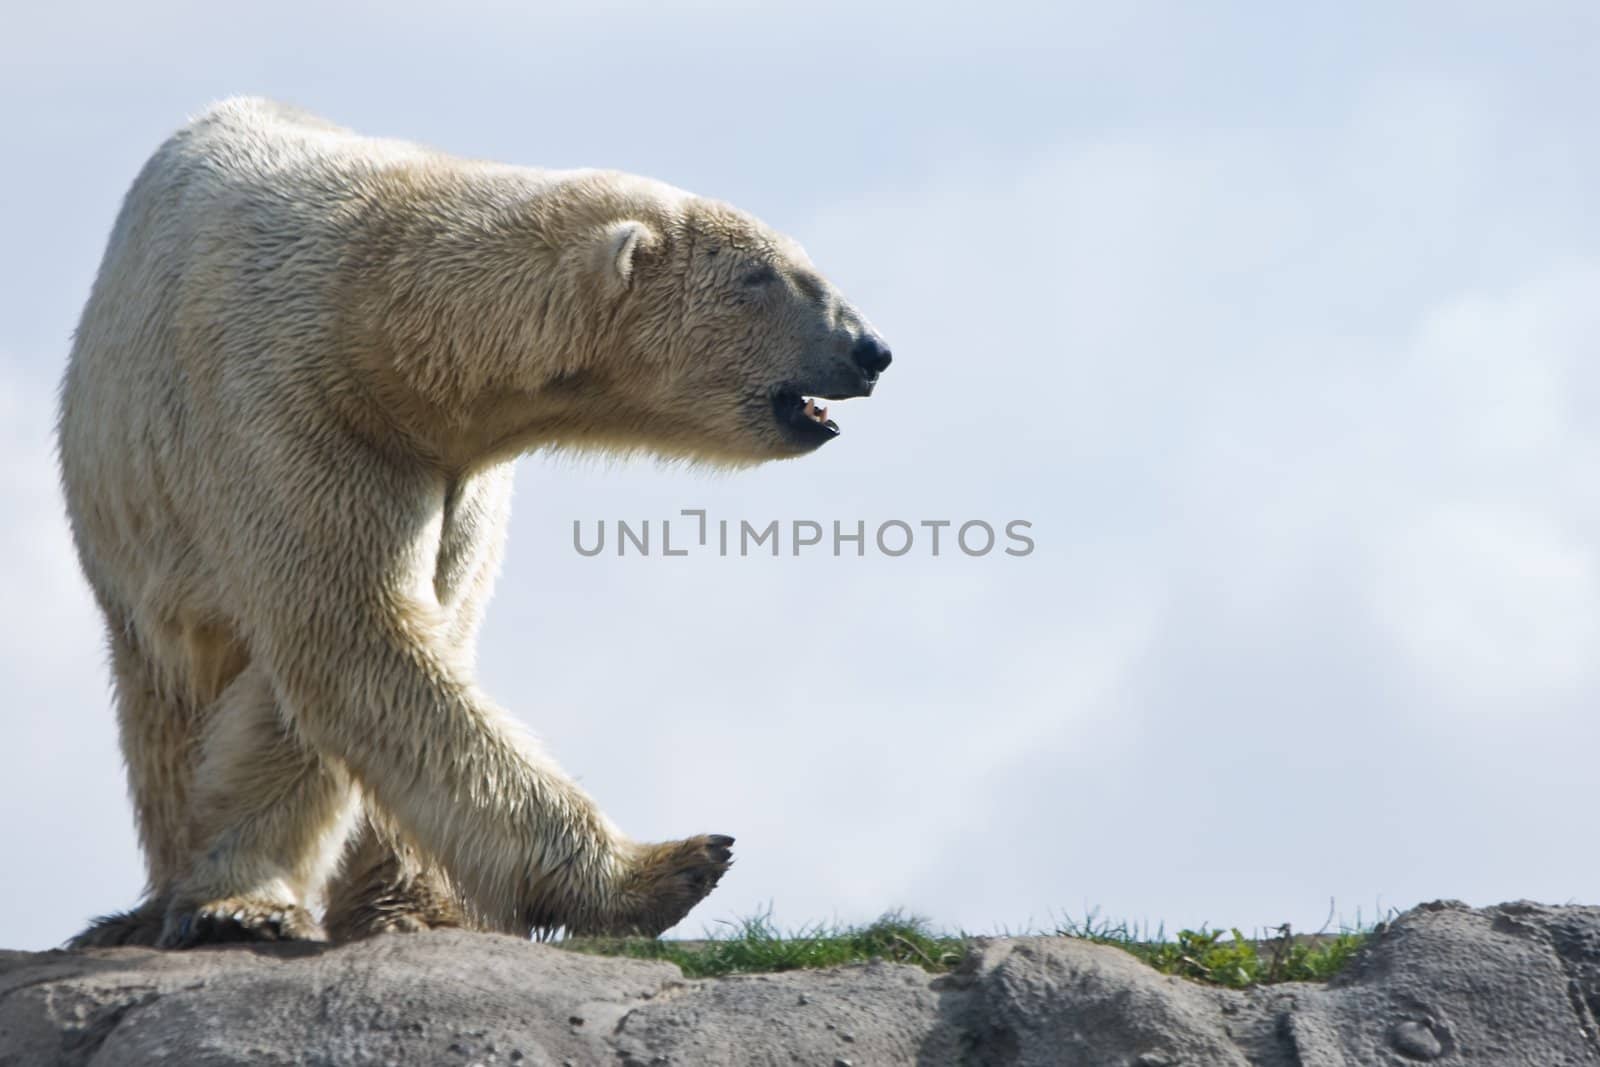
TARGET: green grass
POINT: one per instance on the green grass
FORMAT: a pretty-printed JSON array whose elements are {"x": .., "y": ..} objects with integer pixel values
[
  {"x": 756, "y": 946},
  {"x": 1229, "y": 958}
]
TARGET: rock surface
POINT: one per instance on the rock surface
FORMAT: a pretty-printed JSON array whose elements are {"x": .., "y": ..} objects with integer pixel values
[{"x": 1444, "y": 983}]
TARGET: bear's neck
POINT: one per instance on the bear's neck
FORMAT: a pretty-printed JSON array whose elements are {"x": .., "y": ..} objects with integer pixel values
[{"x": 478, "y": 340}]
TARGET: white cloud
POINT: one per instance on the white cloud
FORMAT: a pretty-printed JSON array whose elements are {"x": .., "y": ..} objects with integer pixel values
[
  {"x": 1500, "y": 611},
  {"x": 1488, "y": 577}
]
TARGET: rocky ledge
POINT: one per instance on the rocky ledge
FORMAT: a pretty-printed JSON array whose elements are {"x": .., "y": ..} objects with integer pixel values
[{"x": 1444, "y": 983}]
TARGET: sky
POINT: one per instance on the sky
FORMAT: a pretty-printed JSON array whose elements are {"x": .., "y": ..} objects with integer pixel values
[{"x": 1277, "y": 325}]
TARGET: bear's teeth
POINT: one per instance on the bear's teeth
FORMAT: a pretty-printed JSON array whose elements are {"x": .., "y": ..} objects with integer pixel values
[{"x": 814, "y": 411}]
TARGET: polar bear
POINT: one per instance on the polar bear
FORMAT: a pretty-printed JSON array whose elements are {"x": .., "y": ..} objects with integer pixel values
[{"x": 286, "y": 432}]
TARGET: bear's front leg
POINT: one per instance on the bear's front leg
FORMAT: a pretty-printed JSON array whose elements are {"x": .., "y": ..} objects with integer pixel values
[
  {"x": 662, "y": 882},
  {"x": 336, "y": 563},
  {"x": 524, "y": 845},
  {"x": 269, "y": 820}
]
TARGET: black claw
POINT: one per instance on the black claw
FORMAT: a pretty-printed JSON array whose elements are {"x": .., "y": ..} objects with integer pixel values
[{"x": 206, "y": 929}]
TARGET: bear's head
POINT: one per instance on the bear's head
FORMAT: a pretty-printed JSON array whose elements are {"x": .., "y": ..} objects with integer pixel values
[{"x": 733, "y": 342}]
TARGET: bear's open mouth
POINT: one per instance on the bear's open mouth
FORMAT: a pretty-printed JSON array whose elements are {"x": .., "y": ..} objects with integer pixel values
[{"x": 804, "y": 416}]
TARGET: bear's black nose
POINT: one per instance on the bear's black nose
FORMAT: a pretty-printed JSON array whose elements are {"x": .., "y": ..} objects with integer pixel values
[{"x": 871, "y": 354}]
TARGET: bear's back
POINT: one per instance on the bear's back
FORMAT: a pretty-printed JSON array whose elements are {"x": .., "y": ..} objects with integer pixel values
[{"x": 233, "y": 229}]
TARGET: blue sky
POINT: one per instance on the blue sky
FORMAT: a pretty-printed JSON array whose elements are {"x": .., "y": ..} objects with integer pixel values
[{"x": 1278, "y": 325}]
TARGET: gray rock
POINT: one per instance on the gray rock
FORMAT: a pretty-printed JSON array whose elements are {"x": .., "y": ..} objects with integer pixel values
[
  {"x": 1449, "y": 984},
  {"x": 1057, "y": 1000},
  {"x": 1446, "y": 984}
]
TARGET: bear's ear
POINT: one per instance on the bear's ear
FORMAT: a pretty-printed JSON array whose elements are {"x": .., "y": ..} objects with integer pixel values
[{"x": 620, "y": 244}]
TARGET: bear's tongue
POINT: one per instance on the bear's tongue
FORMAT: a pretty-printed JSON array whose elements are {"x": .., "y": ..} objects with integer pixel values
[{"x": 815, "y": 412}]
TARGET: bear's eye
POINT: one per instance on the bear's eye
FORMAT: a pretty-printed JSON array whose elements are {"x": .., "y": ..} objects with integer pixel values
[{"x": 762, "y": 275}]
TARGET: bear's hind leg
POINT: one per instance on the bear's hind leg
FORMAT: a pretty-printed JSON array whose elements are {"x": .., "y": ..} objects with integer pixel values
[
  {"x": 141, "y": 926},
  {"x": 156, "y": 722},
  {"x": 385, "y": 886},
  {"x": 269, "y": 819}
]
